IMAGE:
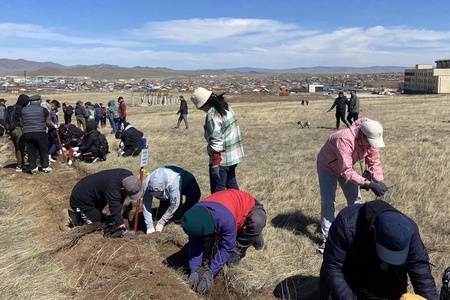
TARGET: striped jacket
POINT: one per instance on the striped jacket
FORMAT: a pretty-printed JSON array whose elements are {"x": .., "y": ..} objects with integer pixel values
[{"x": 224, "y": 136}]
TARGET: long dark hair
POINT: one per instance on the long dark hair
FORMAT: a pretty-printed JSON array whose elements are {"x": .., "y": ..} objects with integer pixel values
[{"x": 219, "y": 103}]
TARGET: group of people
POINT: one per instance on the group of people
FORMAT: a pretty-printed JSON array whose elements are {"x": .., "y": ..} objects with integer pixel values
[
  {"x": 342, "y": 105},
  {"x": 369, "y": 249},
  {"x": 38, "y": 136}
]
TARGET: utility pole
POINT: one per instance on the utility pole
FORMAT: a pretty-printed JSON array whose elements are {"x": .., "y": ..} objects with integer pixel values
[{"x": 25, "y": 77}]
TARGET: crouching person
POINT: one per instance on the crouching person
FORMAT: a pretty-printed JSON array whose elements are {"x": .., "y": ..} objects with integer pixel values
[
  {"x": 105, "y": 188},
  {"x": 370, "y": 251},
  {"x": 131, "y": 140},
  {"x": 169, "y": 184},
  {"x": 235, "y": 220}
]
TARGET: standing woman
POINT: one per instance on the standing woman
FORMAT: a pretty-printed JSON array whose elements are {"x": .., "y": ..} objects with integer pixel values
[
  {"x": 224, "y": 139},
  {"x": 113, "y": 115}
]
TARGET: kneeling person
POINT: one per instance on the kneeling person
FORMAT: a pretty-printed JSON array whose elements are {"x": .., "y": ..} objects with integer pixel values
[
  {"x": 131, "y": 140},
  {"x": 105, "y": 188},
  {"x": 235, "y": 220},
  {"x": 168, "y": 184}
]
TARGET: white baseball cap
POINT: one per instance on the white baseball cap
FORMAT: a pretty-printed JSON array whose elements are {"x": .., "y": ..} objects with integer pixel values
[{"x": 374, "y": 133}]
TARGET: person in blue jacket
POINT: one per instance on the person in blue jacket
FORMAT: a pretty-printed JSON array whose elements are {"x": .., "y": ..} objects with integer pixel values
[{"x": 371, "y": 250}]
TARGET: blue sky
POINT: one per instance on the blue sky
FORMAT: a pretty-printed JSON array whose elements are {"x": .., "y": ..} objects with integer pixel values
[{"x": 190, "y": 35}]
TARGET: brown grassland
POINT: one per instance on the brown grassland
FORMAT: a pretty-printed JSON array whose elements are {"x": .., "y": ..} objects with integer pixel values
[{"x": 38, "y": 261}]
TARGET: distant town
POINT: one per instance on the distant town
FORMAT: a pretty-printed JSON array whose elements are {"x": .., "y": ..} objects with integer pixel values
[{"x": 231, "y": 83}]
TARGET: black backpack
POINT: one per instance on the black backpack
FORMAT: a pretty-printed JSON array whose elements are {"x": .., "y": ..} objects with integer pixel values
[
  {"x": 103, "y": 147},
  {"x": 10, "y": 118}
]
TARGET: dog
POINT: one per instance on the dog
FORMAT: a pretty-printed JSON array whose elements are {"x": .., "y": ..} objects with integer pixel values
[{"x": 305, "y": 124}]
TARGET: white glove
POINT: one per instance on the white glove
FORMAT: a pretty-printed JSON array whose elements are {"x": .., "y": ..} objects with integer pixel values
[
  {"x": 121, "y": 145},
  {"x": 75, "y": 149},
  {"x": 150, "y": 230},
  {"x": 159, "y": 227},
  {"x": 70, "y": 163},
  {"x": 56, "y": 126}
]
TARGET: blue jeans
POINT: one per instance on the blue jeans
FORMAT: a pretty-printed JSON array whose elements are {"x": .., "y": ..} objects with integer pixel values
[
  {"x": 328, "y": 185},
  {"x": 227, "y": 179},
  {"x": 114, "y": 124}
]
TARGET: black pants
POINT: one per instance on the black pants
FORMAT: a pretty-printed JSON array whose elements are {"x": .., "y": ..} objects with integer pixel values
[
  {"x": 37, "y": 145},
  {"x": 88, "y": 212},
  {"x": 133, "y": 151},
  {"x": 191, "y": 193},
  {"x": 254, "y": 224},
  {"x": 341, "y": 117}
]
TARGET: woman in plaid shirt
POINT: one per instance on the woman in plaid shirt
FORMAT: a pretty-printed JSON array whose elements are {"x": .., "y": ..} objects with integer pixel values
[{"x": 224, "y": 139}]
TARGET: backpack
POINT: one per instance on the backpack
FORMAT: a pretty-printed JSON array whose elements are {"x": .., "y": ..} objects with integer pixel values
[
  {"x": 10, "y": 118},
  {"x": 103, "y": 147}
]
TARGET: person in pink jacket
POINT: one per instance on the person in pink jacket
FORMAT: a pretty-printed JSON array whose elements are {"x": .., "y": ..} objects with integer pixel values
[{"x": 335, "y": 162}]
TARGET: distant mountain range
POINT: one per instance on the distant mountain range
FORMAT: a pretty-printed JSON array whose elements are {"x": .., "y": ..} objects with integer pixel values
[{"x": 18, "y": 67}]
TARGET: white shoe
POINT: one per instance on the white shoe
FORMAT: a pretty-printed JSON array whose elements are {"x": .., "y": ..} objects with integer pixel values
[
  {"x": 46, "y": 170},
  {"x": 70, "y": 163},
  {"x": 34, "y": 171},
  {"x": 76, "y": 154},
  {"x": 50, "y": 159}
]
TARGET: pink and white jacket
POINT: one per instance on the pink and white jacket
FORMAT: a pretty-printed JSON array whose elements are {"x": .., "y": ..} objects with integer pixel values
[{"x": 343, "y": 149}]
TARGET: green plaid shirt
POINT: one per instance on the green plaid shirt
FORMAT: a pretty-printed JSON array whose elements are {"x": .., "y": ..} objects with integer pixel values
[{"x": 224, "y": 136}]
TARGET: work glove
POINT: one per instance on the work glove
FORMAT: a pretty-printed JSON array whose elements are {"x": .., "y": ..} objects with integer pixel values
[
  {"x": 150, "y": 230},
  {"x": 130, "y": 235},
  {"x": 75, "y": 149},
  {"x": 205, "y": 284},
  {"x": 379, "y": 188},
  {"x": 193, "y": 280},
  {"x": 159, "y": 227},
  {"x": 215, "y": 172}
]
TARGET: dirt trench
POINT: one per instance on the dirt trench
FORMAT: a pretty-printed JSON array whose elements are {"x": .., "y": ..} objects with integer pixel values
[{"x": 153, "y": 267}]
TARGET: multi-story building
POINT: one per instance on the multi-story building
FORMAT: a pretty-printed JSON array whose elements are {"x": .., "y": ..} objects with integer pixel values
[{"x": 425, "y": 79}]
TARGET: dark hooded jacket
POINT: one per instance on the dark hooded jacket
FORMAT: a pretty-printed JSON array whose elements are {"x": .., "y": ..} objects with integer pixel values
[
  {"x": 22, "y": 101},
  {"x": 351, "y": 267},
  {"x": 91, "y": 139}
]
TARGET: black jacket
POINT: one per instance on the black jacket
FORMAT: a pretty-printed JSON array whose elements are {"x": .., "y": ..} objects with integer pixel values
[
  {"x": 132, "y": 139},
  {"x": 90, "y": 139},
  {"x": 341, "y": 105},
  {"x": 351, "y": 266},
  {"x": 183, "y": 108},
  {"x": 79, "y": 111},
  {"x": 101, "y": 189}
]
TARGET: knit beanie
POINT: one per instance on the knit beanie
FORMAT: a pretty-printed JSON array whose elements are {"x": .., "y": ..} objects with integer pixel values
[{"x": 197, "y": 221}]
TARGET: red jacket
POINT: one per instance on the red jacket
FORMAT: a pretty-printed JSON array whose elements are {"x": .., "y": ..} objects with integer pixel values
[
  {"x": 122, "y": 109},
  {"x": 239, "y": 203}
]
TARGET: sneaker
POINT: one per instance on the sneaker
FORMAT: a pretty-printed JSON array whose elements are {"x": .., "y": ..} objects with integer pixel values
[
  {"x": 34, "y": 171},
  {"x": 70, "y": 163},
  {"x": 46, "y": 170},
  {"x": 50, "y": 159},
  {"x": 259, "y": 243},
  {"x": 95, "y": 160},
  {"x": 18, "y": 169},
  {"x": 321, "y": 249},
  {"x": 76, "y": 154}
]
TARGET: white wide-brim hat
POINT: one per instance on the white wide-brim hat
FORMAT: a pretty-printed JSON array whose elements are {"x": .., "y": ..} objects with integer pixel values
[{"x": 200, "y": 96}]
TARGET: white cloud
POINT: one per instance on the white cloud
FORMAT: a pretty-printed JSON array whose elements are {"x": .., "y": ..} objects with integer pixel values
[{"x": 227, "y": 43}]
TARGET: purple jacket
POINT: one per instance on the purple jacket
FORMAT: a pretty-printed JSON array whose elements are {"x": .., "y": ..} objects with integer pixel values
[{"x": 225, "y": 225}]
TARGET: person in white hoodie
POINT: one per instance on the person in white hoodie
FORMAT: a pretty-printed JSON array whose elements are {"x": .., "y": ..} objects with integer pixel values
[{"x": 168, "y": 184}]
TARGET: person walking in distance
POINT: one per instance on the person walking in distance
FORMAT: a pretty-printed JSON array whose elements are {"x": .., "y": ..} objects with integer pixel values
[
  {"x": 183, "y": 111},
  {"x": 340, "y": 103},
  {"x": 353, "y": 108}
]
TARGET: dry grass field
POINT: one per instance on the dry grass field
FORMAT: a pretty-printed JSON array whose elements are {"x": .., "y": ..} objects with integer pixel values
[{"x": 37, "y": 261}]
